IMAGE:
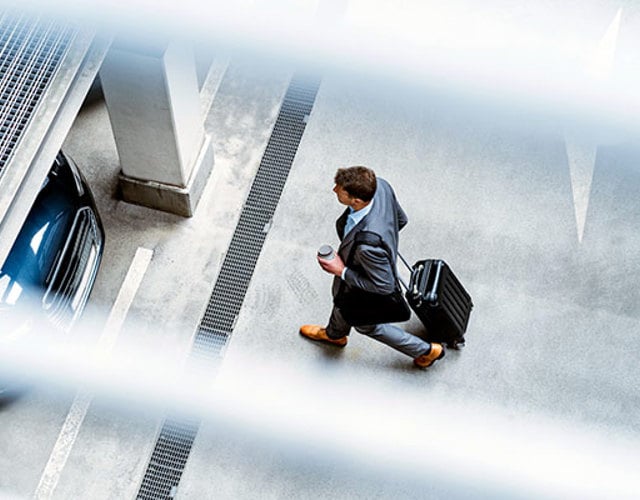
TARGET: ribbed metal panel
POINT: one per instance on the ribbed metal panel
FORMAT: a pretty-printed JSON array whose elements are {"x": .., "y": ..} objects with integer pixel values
[
  {"x": 455, "y": 304},
  {"x": 31, "y": 51},
  {"x": 174, "y": 444}
]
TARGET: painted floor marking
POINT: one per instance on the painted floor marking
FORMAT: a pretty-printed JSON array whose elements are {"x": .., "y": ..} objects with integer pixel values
[
  {"x": 581, "y": 154},
  {"x": 582, "y": 149}
]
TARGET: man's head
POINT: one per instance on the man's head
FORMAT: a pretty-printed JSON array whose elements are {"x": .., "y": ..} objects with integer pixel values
[{"x": 355, "y": 186}]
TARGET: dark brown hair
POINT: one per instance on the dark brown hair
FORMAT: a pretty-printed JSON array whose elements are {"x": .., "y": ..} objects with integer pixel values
[{"x": 359, "y": 182}]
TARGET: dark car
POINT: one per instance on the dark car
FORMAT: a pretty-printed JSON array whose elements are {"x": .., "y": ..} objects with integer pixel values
[{"x": 53, "y": 263}]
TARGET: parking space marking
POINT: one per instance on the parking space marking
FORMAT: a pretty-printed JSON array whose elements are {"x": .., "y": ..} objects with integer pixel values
[{"x": 81, "y": 402}]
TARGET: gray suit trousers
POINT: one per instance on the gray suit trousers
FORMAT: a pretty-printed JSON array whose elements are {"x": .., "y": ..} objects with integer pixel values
[{"x": 387, "y": 333}]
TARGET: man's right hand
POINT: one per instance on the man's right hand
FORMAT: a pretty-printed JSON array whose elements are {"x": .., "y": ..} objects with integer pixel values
[{"x": 334, "y": 266}]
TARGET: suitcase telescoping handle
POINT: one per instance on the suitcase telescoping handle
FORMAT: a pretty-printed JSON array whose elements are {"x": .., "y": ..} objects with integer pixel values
[
  {"x": 415, "y": 284},
  {"x": 406, "y": 287},
  {"x": 404, "y": 261},
  {"x": 419, "y": 283},
  {"x": 421, "y": 280}
]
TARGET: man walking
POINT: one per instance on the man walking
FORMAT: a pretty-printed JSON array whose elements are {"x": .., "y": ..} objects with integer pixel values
[{"x": 372, "y": 207}]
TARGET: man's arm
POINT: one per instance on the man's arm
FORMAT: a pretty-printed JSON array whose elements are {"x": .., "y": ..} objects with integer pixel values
[{"x": 375, "y": 274}]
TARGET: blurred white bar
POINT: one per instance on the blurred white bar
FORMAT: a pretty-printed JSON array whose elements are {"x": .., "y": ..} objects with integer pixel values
[
  {"x": 538, "y": 53},
  {"x": 465, "y": 443}
]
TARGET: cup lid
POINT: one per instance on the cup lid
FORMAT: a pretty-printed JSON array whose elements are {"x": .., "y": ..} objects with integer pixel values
[{"x": 325, "y": 250}]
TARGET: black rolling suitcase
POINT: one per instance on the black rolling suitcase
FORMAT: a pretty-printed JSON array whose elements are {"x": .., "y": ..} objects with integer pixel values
[{"x": 440, "y": 301}]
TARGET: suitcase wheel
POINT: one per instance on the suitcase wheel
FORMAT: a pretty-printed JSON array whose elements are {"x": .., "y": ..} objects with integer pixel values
[{"x": 456, "y": 344}]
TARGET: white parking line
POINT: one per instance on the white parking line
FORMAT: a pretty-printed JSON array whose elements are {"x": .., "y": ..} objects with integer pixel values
[{"x": 81, "y": 402}]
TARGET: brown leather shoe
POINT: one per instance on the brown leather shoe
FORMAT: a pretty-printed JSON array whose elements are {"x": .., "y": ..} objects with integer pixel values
[
  {"x": 316, "y": 332},
  {"x": 426, "y": 360}
]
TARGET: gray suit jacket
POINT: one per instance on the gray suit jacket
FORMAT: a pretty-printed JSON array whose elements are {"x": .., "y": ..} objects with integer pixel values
[{"x": 372, "y": 270}]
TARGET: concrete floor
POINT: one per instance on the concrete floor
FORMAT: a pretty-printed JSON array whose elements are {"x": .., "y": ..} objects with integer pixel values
[{"x": 487, "y": 187}]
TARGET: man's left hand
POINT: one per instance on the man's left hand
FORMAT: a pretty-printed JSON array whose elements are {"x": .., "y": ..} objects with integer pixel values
[{"x": 333, "y": 266}]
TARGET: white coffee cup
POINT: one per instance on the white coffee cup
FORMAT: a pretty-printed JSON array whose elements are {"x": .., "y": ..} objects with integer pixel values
[{"x": 326, "y": 252}]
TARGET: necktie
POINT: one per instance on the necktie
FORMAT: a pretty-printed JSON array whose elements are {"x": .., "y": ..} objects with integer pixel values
[{"x": 349, "y": 225}]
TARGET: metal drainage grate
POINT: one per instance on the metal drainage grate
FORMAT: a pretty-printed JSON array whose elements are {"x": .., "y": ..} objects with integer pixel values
[
  {"x": 176, "y": 436},
  {"x": 30, "y": 55},
  {"x": 168, "y": 459},
  {"x": 237, "y": 268}
]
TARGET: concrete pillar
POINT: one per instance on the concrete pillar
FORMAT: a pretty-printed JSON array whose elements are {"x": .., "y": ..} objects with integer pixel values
[{"x": 153, "y": 100}]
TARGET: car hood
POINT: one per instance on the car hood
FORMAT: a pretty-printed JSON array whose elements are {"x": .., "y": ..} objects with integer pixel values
[{"x": 26, "y": 271}]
